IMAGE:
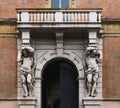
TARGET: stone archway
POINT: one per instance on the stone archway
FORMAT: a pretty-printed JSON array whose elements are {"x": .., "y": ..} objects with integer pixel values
[
  {"x": 71, "y": 56},
  {"x": 60, "y": 84}
]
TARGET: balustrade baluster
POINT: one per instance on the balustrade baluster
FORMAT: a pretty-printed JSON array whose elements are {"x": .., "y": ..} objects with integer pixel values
[
  {"x": 69, "y": 16},
  {"x": 38, "y": 17},
  {"x": 76, "y": 17},
  {"x": 51, "y": 17},
  {"x": 48, "y": 16},
  {"x": 35, "y": 17},
  {"x": 66, "y": 16},
  {"x": 32, "y": 17},
  {"x": 82, "y": 16},
  {"x": 87, "y": 16},
  {"x": 44, "y": 16}
]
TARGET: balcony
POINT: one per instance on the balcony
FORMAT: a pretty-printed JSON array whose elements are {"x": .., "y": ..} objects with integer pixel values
[{"x": 59, "y": 18}]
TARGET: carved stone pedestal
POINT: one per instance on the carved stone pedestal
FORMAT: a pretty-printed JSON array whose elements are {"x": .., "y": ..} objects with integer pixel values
[
  {"x": 92, "y": 102},
  {"x": 27, "y": 102}
]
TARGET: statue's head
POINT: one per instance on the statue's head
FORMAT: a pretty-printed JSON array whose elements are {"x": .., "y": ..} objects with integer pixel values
[{"x": 25, "y": 52}]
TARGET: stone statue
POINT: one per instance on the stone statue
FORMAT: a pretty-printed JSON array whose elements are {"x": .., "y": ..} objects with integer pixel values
[
  {"x": 27, "y": 70},
  {"x": 92, "y": 72}
]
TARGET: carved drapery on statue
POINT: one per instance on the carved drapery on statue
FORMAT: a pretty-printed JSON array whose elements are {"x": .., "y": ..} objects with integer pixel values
[
  {"x": 92, "y": 73},
  {"x": 27, "y": 71}
]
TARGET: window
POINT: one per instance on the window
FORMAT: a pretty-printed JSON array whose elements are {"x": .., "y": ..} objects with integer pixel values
[{"x": 60, "y": 4}]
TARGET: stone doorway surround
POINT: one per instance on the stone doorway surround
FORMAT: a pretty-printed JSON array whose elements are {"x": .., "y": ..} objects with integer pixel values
[{"x": 48, "y": 55}]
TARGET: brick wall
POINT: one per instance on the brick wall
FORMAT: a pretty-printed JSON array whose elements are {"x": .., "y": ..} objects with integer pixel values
[
  {"x": 110, "y": 7},
  {"x": 111, "y": 67},
  {"x": 8, "y": 65},
  {"x": 8, "y": 7},
  {"x": 8, "y": 81}
]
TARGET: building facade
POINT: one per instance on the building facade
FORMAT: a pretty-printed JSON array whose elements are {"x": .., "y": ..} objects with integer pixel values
[{"x": 59, "y": 54}]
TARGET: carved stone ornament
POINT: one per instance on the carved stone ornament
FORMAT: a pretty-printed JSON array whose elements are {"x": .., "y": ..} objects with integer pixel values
[
  {"x": 27, "y": 70},
  {"x": 92, "y": 72}
]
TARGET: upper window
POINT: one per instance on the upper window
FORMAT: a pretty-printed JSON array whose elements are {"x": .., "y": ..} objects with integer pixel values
[{"x": 60, "y": 3}]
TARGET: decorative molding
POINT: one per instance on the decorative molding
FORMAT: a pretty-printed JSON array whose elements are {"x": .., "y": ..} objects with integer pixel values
[
  {"x": 71, "y": 3},
  {"x": 93, "y": 102},
  {"x": 110, "y": 34},
  {"x": 8, "y": 34},
  {"x": 11, "y": 21},
  {"x": 111, "y": 20},
  {"x": 27, "y": 102},
  {"x": 47, "y": 3},
  {"x": 8, "y": 99}
]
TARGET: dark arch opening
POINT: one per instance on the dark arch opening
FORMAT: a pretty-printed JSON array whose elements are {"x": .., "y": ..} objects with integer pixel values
[{"x": 59, "y": 85}]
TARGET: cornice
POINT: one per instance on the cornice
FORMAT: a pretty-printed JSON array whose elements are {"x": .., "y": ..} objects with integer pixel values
[
  {"x": 11, "y": 21},
  {"x": 111, "y": 20}
]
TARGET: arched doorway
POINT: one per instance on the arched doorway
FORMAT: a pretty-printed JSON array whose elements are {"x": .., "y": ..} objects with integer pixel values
[{"x": 59, "y": 85}]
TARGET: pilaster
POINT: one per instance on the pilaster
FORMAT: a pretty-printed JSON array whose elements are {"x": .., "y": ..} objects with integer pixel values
[
  {"x": 59, "y": 43},
  {"x": 92, "y": 37},
  {"x": 25, "y": 37}
]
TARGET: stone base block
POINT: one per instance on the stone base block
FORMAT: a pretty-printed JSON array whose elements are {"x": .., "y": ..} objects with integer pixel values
[
  {"x": 92, "y": 102},
  {"x": 27, "y": 102}
]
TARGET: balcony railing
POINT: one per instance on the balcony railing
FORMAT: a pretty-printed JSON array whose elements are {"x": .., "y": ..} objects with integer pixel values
[{"x": 58, "y": 16}]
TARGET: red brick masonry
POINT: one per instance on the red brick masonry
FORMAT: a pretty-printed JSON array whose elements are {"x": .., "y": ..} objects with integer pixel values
[{"x": 8, "y": 65}]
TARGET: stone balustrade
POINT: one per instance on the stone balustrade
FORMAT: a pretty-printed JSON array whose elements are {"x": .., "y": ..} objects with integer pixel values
[{"x": 58, "y": 15}]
